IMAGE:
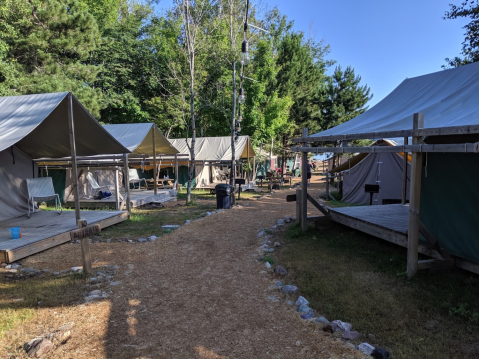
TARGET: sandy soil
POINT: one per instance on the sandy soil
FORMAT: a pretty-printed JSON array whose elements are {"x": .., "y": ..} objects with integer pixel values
[{"x": 195, "y": 293}]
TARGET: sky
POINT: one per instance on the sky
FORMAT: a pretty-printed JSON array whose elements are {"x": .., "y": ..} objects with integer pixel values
[{"x": 385, "y": 41}]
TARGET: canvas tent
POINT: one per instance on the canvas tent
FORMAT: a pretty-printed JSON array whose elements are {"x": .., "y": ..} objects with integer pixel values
[
  {"x": 212, "y": 154},
  {"x": 383, "y": 169},
  {"x": 441, "y": 111},
  {"x": 36, "y": 126}
]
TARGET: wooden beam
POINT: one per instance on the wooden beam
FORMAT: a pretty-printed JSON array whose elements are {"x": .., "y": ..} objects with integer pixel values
[
  {"x": 177, "y": 174},
  {"x": 436, "y": 131},
  {"x": 404, "y": 174},
  {"x": 327, "y": 183},
  {"x": 433, "y": 240},
  {"x": 435, "y": 263},
  {"x": 298, "y": 205},
  {"x": 414, "y": 201},
  {"x": 317, "y": 205},
  {"x": 304, "y": 187},
  {"x": 117, "y": 191},
  {"x": 449, "y": 148},
  {"x": 127, "y": 183},
  {"x": 155, "y": 182}
]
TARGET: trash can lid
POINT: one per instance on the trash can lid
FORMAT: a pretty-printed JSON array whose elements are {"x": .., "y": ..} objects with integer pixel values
[{"x": 223, "y": 186}]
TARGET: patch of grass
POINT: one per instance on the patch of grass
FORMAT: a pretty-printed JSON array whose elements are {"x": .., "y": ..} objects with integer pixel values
[
  {"x": 269, "y": 259},
  {"x": 359, "y": 279},
  {"x": 19, "y": 299},
  {"x": 337, "y": 196}
]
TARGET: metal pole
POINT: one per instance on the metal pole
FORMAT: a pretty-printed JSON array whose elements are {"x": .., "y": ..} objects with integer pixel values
[
  {"x": 233, "y": 120},
  {"x": 155, "y": 183}
]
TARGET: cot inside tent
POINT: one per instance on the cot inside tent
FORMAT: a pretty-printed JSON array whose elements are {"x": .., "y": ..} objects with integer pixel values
[{"x": 36, "y": 126}]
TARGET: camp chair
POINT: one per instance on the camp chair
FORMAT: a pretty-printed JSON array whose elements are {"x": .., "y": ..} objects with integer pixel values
[
  {"x": 134, "y": 178},
  {"x": 41, "y": 189},
  {"x": 95, "y": 187},
  {"x": 168, "y": 184}
]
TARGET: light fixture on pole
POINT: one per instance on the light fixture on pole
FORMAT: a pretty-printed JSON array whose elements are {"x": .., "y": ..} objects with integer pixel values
[
  {"x": 241, "y": 98},
  {"x": 245, "y": 53}
]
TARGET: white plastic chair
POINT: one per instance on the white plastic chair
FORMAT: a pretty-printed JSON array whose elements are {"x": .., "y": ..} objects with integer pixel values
[
  {"x": 95, "y": 187},
  {"x": 41, "y": 189},
  {"x": 134, "y": 178}
]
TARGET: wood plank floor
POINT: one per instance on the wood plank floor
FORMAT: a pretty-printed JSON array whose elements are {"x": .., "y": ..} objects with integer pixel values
[
  {"x": 46, "y": 224},
  {"x": 394, "y": 217}
]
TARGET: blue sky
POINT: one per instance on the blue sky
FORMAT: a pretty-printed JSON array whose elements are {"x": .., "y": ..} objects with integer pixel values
[{"x": 385, "y": 41}]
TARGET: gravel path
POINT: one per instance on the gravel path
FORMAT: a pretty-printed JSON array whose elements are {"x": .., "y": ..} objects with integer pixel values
[{"x": 198, "y": 293}]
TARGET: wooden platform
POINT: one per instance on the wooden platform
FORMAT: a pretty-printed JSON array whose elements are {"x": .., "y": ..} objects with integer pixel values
[
  {"x": 389, "y": 222},
  {"x": 47, "y": 229},
  {"x": 137, "y": 198}
]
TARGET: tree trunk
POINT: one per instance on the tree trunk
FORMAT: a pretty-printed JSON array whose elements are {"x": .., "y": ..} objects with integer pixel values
[
  {"x": 233, "y": 123},
  {"x": 193, "y": 128}
]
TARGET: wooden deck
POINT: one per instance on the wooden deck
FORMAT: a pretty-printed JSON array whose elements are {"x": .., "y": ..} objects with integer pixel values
[
  {"x": 137, "y": 198},
  {"x": 47, "y": 229},
  {"x": 389, "y": 222}
]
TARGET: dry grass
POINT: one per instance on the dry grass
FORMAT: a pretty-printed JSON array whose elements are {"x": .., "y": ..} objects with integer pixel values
[{"x": 357, "y": 278}]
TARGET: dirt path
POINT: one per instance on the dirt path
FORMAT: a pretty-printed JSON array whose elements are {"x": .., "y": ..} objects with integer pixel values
[{"x": 194, "y": 293}]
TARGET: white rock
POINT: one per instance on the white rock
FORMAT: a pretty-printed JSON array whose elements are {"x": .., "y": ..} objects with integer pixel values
[
  {"x": 76, "y": 269},
  {"x": 108, "y": 240},
  {"x": 280, "y": 222},
  {"x": 301, "y": 301},
  {"x": 15, "y": 265},
  {"x": 152, "y": 238},
  {"x": 261, "y": 233},
  {"x": 115, "y": 283},
  {"x": 268, "y": 265},
  {"x": 276, "y": 244},
  {"x": 170, "y": 226},
  {"x": 187, "y": 221},
  {"x": 365, "y": 348},
  {"x": 208, "y": 213},
  {"x": 8, "y": 266},
  {"x": 12, "y": 270}
]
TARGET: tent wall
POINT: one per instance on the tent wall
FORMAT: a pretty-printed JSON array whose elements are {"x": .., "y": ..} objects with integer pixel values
[
  {"x": 455, "y": 227},
  {"x": 103, "y": 178},
  {"x": 14, "y": 169},
  {"x": 58, "y": 178},
  {"x": 383, "y": 167}
]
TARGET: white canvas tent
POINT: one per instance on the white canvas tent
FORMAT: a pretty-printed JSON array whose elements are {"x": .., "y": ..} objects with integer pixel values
[
  {"x": 36, "y": 126},
  {"x": 210, "y": 154},
  {"x": 383, "y": 169},
  {"x": 138, "y": 139}
]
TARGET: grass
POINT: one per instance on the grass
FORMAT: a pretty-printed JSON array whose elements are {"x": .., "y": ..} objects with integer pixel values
[
  {"x": 19, "y": 299},
  {"x": 359, "y": 279}
]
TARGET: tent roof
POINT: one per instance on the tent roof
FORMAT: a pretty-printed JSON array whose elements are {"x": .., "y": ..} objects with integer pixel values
[
  {"x": 215, "y": 148},
  {"x": 447, "y": 98},
  {"x": 138, "y": 138},
  {"x": 38, "y": 125}
]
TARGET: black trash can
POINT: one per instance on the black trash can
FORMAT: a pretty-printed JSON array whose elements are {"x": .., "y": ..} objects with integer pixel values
[{"x": 223, "y": 195}]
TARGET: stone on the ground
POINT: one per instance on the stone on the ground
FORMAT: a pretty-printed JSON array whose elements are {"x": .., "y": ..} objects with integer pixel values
[
  {"x": 12, "y": 270},
  {"x": 56, "y": 273},
  {"x": 340, "y": 326},
  {"x": 208, "y": 213},
  {"x": 37, "y": 347},
  {"x": 278, "y": 283},
  {"x": 290, "y": 302},
  {"x": 380, "y": 353},
  {"x": 152, "y": 238},
  {"x": 219, "y": 210},
  {"x": 3, "y": 265},
  {"x": 289, "y": 289},
  {"x": 268, "y": 265},
  {"x": 141, "y": 240},
  {"x": 8, "y": 266},
  {"x": 261, "y": 233},
  {"x": 322, "y": 320},
  {"x": 95, "y": 292},
  {"x": 76, "y": 269},
  {"x": 89, "y": 298},
  {"x": 170, "y": 226},
  {"x": 15, "y": 265},
  {"x": 350, "y": 335},
  {"x": 108, "y": 240},
  {"x": 309, "y": 315},
  {"x": 273, "y": 298},
  {"x": 276, "y": 244},
  {"x": 129, "y": 241},
  {"x": 270, "y": 250},
  {"x": 280, "y": 222},
  {"x": 30, "y": 270},
  {"x": 115, "y": 283},
  {"x": 280, "y": 270},
  {"x": 274, "y": 227},
  {"x": 365, "y": 348},
  {"x": 304, "y": 309},
  {"x": 301, "y": 301}
]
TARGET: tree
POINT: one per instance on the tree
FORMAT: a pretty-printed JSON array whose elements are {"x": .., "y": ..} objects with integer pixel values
[
  {"x": 470, "y": 45},
  {"x": 45, "y": 48}
]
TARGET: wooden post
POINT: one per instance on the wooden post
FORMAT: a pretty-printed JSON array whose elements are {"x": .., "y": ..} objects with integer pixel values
[
  {"x": 254, "y": 169},
  {"x": 298, "y": 205},
  {"x": 155, "y": 181},
  {"x": 85, "y": 242},
  {"x": 327, "y": 184},
  {"x": 127, "y": 183},
  {"x": 177, "y": 174},
  {"x": 414, "y": 201},
  {"x": 247, "y": 155},
  {"x": 117, "y": 192},
  {"x": 404, "y": 174},
  {"x": 304, "y": 186}
]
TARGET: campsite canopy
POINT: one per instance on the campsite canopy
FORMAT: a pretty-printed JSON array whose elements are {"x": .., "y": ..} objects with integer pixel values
[
  {"x": 38, "y": 126},
  {"x": 138, "y": 138},
  {"x": 216, "y": 149},
  {"x": 446, "y": 98}
]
